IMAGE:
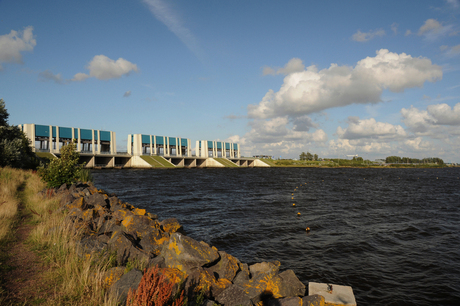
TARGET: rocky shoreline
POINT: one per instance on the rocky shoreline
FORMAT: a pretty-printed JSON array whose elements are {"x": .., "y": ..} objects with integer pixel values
[{"x": 110, "y": 226}]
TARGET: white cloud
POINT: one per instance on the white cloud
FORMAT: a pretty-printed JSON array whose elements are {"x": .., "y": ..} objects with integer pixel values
[
  {"x": 371, "y": 129},
  {"x": 294, "y": 65},
  {"x": 11, "y": 45},
  {"x": 127, "y": 94},
  {"x": 408, "y": 32},
  {"x": 103, "y": 68},
  {"x": 310, "y": 90},
  {"x": 443, "y": 114},
  {"x": 361, "y": 37},
  {"x": 47, "y": 75},
  {"x": 432, "y": 29},
  {"x": 450, "y": 51},
  {"x": 168, "y": 17}
]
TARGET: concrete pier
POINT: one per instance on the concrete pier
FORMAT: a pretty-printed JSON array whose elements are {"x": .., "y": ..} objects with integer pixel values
[{"x": 334, "y": 295}]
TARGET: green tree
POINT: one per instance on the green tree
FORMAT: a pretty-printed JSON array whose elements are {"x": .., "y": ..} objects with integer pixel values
[
  {"x": 64, "y": 170},
  {"x": 303, "y": 156},
  {"x": 15, "y": 150},
  {"x": 315, "y": 157},
  {"x": 309, "y": 156}
]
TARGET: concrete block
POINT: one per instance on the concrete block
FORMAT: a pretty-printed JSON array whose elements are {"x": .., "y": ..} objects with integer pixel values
[{"x": 338, "y": 296}]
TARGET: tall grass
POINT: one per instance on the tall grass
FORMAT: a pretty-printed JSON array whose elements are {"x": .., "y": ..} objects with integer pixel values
[{"x": 76, "y": 281}]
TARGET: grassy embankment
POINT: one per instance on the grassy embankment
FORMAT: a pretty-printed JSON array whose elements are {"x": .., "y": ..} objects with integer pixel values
[
  {"x": 74, "y": 281},
  {"x": 336, "y": 163}
]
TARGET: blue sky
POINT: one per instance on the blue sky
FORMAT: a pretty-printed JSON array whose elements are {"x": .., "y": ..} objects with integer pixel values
[{"x": 333, "y": 78}]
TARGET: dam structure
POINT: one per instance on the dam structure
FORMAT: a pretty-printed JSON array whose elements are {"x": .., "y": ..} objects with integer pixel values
[{"x": 97, "y": 149}]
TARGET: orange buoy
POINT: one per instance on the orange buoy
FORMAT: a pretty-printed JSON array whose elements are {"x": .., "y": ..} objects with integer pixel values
[
  {"x": 293, "y": 204},
  {"x": 298, "y": 214},
  {"x": 307, "y": 229}
]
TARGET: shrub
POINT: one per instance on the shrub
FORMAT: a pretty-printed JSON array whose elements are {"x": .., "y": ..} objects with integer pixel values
[
  {"x": 64, "y": 170},
  {"x": 154, "y": 290}
]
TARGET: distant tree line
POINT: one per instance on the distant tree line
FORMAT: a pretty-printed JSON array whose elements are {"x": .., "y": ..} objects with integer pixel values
[
  {"x": 408, "y": 160},
  {"x": 308, "y": 156}
]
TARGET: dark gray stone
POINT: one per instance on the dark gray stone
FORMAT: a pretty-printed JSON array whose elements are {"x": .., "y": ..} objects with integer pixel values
[
  {"x": 289, "y": 301},
  {"x": 233, "y": 296},
  {"x": 90, "y": 246},
  {"x": 313, "y": 300},
  {"x": 119, "y": 290},
  {"x": 290, "y": 284},
  {"x": 95, "y": 199}
]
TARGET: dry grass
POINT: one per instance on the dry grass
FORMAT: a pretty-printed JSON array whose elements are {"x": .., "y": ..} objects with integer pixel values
[{"x": 76, "y": 281}]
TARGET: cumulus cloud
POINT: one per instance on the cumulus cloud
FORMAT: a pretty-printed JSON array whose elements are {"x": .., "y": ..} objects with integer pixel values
[
  {"x": 438, "y": 120},
  {"x": 370, "y": 128},
  {"x": 47, "y": 75},
  {"x": 11, "y": 45},
  {"x": 294, "y": 65},
  {"x": 103, "y": 68},
  {"x": 361, "y": 37},
  {"x": 127, "y": 94},
  {"x": 312, "y": 90},
  {"x": 432, "y": 29}
]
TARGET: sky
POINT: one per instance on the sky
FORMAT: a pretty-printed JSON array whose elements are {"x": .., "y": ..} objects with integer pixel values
[{"x": 333, "y": 78}]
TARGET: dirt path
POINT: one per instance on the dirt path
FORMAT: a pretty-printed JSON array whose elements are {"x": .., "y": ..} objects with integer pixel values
[{"x": 26, "y": 283}]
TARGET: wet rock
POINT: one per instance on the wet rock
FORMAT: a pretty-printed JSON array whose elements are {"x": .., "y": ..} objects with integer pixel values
[
  {"x": 119, "y": 290},
  {"x": 233, "y": 296},
  {"x": 185, "y": 253}
]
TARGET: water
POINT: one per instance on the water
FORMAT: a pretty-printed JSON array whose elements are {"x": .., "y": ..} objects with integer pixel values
[{"x": 391, "y": 234}]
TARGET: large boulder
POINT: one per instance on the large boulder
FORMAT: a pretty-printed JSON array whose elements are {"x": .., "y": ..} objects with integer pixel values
[
  {"x": 111, "y": 276},
  {"x": 226, "y": 267},
  {"x": 264, "y": 268},
  {"x": 289, "y": 301},
  {"x": 139, "y": 225},
  {"x": 185, "y": 253},
  {"x": 313, "y": 300},
  {"x": 153, "y": 241},
  {"x": 127, "y": 248},
  {"x": 233, "y": 296},
  {"x": 290, "y": 285},
  {"x": 97, "y": 199},
  {"x": 119, "y": 290},
  {"x": 90, "y": 246}
]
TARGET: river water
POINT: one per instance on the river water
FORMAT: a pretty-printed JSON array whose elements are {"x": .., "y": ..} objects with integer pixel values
[{"x": 391, "y": 234}]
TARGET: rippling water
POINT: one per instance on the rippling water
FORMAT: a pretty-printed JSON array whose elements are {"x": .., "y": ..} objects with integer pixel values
[{"x": 391, "y": 234}]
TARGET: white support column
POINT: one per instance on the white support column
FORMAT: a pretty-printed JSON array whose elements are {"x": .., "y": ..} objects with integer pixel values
[
  {"x": 79, "y": 140},
  {"x": 92, "y": 142},
  {"x": 113, "y": 139},
  {"x": 129, "y": 144},
  {"x": 98, "y": 141},
  {"x": 166, "y": 146},
  {"x": 154, "y": 137},
  {"x": 178, "y": 146},
  {"x": 51, "y": 144},
  {"x": 151, "y": 142}
]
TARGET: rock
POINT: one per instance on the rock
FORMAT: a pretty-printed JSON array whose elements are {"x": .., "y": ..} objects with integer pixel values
[
  {"x": 157, "y": 261},
  {"x": 114, "y": 203},
  {"x": 185, "y": 253},
  {"x": 171, "y": 226},
  {"x": 78, "y": 203},
  {"x": 141, "y": 226},
  {"x": 241, "y": 277},
  {"x": 66, "y": 199},
  {"x": 290, "y": 284},
  {"x": 153, "y": 241},
  {"x": 265, "y": 268},
  {"x": 120, "y": 214},
  {"x": 108, "y": 227},
  {"x": 233, "y": 296},
  {"x": 226, "y": 267},
  {"x": 126, "y": 248},
  {"x": 313, "y": 300},
  {"x": 290, "y": 301},
  {"x": 90, "y": 246},
  {"x": 111, "y": 276},
  {"x": 62, "y": 189},
  {"x": 96, "y": 199},
  {"x": 74, "y": 215},
  {"x": 119, "y": 290}
]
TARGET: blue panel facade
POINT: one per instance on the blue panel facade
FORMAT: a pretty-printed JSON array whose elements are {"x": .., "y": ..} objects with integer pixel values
[
  {"x": 219, "y": 145},
  {"x": 54, "y": 131},
  {"x": 105, "y": 136},
  {"x": 172, "y": 141},
  {"x": 145, "y": 138},
  {"x": 65, "y": 132},
  {"x": 235, "y": 146},
  {"x": 159, "y": 140},
  {"x": 183, "y": 142},
  {"x": 86, "y": 134},
  {"x": 42, "y": 130},
  {"x": 75, "y": 133},
  {"x": 96, "y": 135},
  {"x": 209, "y": 144},
  {"x": 227, "y": 146}
]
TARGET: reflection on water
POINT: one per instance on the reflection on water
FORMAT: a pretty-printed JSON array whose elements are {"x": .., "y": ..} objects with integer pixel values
[{"x": 391, "y": 234}]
